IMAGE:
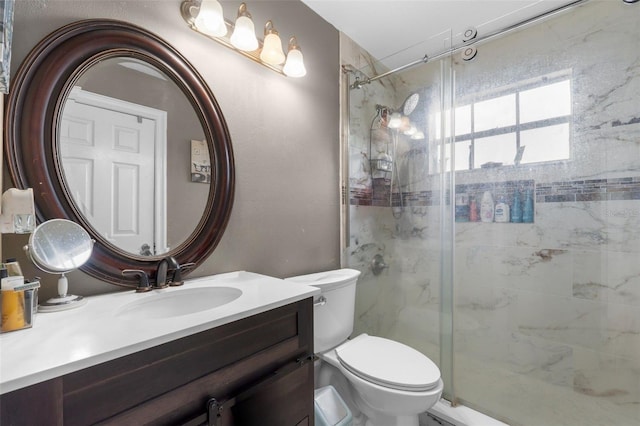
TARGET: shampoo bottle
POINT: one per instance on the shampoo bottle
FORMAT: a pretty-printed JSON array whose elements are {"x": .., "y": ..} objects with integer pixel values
[
  {"x": 516, "y": 212},
  {"x": 473, "y": 210},
  {"x": 527, "y": 211},
  {"x": 502, "y": 211},
  {"x": 486, "y": 207}
]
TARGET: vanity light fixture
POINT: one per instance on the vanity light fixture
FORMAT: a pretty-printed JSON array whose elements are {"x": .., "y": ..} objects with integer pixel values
[{"x": 204, "y": 16}]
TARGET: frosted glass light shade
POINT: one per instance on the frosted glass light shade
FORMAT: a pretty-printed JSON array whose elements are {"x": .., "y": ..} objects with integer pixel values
[
  {"x": 272, "y": 52},
  {"x": 294, "y": 67},
  {"x": 210, "y": 19},
  {"x": 244, "y": 35}
]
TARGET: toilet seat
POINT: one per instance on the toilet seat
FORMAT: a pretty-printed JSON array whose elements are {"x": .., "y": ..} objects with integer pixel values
[{"x": 388, "y": 363}]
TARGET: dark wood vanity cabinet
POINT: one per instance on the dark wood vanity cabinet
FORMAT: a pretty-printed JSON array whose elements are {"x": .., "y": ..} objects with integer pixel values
[{"x": 254, "y": 371}]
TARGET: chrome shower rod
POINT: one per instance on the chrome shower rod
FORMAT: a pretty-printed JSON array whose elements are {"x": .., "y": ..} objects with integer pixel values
[{"x": 426, "y": 58}]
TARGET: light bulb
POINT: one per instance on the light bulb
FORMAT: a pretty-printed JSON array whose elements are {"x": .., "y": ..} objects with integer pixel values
[
  {"x": 294, "y": 67},
  {"x": 244, "y": 33},
  {"x": 210, "y": 19},
  {"x": 272, "y": 48},
  {"x": 395, "y": 121}
]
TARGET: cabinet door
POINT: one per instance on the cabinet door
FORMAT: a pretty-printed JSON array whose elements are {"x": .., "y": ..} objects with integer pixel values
[
  {"x": 39, "y": 404},
  {"x": 280, "y": 400}
]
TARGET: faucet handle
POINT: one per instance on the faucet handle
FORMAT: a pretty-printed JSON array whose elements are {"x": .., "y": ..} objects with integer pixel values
[
  {"x": 177, "y": 273},
  {"x": 143, "y": 285},
  {"x": 173, "y": 271}
]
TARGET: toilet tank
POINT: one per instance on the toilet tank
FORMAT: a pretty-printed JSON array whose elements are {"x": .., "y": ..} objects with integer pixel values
[{"x": 333, "y": 316}]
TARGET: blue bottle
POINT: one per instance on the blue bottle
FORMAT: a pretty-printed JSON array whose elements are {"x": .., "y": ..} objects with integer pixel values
[
  {"x": 516, "y": 210},
  {"x": 527, "y": 211}
]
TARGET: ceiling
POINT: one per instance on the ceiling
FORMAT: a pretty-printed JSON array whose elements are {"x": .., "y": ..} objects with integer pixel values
[{"x": 397, "y": 32}]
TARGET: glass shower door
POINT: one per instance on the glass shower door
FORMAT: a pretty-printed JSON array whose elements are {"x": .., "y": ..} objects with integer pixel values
[
  {"x": 399, "y": 215},
  {"x": 547, "y": 303}
]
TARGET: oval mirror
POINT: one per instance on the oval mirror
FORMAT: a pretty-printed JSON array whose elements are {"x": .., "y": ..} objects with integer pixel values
[
  {"x": 140, "y": 198},
  {"x": 59, "y": 246}
]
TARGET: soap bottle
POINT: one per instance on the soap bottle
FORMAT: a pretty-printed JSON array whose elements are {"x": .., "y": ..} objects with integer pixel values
[
  {"x": 462, "y": 207},
  {"x": 486, "y": 207},
  {"x": 502, "y": 211},
  {"x": 527, "y": 211},
  {"x": 473, "y": 210},
  {"x": 516, "y": 212}
]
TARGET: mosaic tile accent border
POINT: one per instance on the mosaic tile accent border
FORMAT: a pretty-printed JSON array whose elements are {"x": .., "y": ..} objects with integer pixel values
[{"x": 626, "y": 188}]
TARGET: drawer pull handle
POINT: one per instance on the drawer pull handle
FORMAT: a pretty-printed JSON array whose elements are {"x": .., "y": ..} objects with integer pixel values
[{"x": 214, "y": 412}]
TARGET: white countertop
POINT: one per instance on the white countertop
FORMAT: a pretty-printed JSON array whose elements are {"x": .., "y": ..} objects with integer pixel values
[{"x": 68, "y": 341}]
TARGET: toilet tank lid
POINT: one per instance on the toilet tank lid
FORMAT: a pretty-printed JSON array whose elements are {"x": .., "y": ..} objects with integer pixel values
[{"x": 327, "y": 279}]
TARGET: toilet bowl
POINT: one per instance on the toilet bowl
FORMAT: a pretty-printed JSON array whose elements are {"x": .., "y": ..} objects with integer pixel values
[{"x": 388, "y": 382}]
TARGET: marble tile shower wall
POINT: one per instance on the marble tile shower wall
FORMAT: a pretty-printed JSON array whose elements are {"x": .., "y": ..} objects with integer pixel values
[{"x": 545, "y": 314}]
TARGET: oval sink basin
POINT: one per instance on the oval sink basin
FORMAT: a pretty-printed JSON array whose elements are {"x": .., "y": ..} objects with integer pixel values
[{"x": 180, "y": 302}]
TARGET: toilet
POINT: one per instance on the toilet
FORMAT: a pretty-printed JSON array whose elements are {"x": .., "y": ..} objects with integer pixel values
[{"x": 384, "y": 382}]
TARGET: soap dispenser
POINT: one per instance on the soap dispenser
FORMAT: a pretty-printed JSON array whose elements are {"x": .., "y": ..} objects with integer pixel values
[
  {"x": 527, "y": 211},
  {"x": 486, "y": 207}
]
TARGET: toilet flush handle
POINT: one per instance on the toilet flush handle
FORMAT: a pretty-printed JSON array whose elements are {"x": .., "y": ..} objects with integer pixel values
[{"x": 321, "y": 301}]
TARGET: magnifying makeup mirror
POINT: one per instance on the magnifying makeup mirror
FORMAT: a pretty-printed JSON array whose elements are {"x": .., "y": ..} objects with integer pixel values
[{"x": 59, "y": 246}]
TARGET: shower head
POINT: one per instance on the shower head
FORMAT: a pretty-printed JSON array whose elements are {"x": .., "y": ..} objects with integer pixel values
[{"x": 410, "y": 103}]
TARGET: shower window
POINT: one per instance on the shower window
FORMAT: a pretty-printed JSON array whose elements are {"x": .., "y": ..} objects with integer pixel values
[{"x": 534, "y": 117}]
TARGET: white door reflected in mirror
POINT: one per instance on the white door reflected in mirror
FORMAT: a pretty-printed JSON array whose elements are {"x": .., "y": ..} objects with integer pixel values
[
  {"x": 124, "y": 139},
  {"x": 109, "y": 146}
]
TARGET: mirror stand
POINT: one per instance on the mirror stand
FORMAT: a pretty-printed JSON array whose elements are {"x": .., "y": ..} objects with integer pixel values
[{"x": 63, "y": 301}]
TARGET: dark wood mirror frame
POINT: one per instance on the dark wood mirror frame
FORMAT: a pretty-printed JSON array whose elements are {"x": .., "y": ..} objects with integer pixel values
[{"x": 33, "y": 110}]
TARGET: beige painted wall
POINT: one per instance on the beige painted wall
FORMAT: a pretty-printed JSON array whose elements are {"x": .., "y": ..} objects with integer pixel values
[{"x": 285, "y": 133}]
